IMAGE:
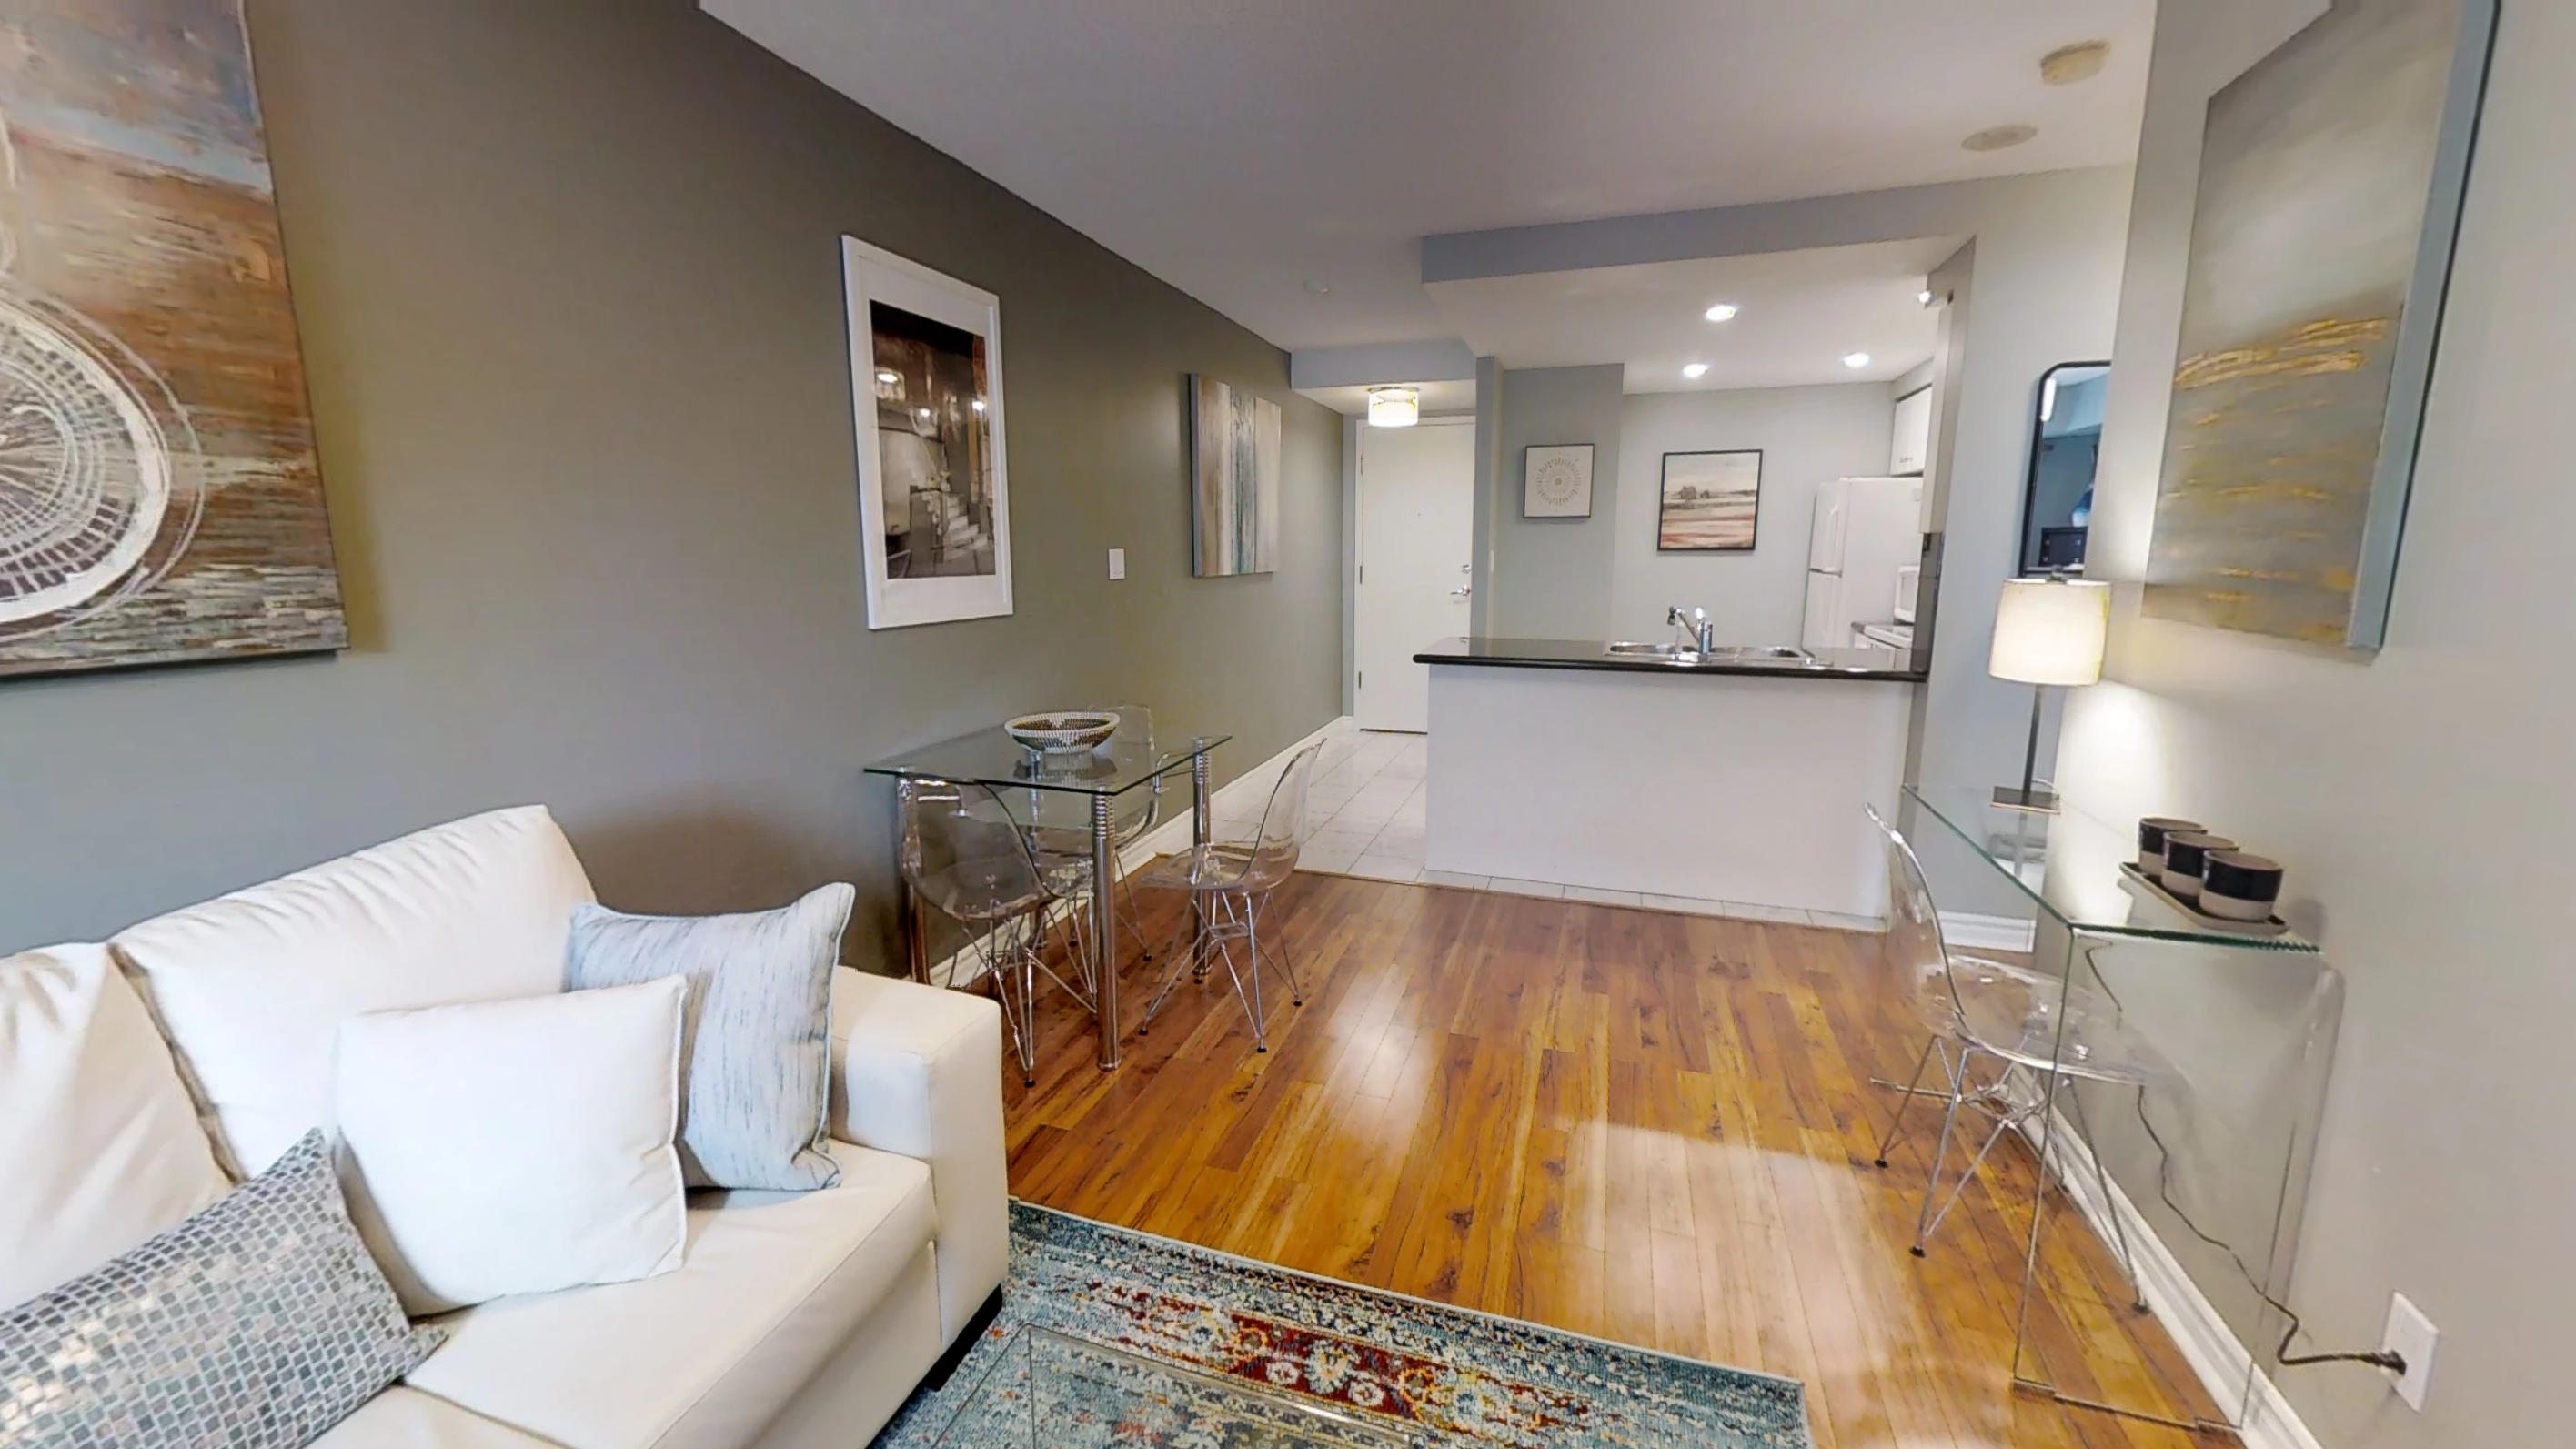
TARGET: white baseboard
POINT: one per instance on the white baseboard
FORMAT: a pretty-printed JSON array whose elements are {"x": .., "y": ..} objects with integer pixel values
[
  {"x": 1988, "y": 933},
  {"x": 963, "y": 967},
  {"x": 2217, "y": 1357}
]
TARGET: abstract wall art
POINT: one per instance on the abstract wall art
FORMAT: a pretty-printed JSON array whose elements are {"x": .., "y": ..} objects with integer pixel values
[
  {"x": 1556, "y": 480},
  {"x": 1234, "y": 480},
  {"x": 1711, "y": 502},
  {"x": 2330, "y": 185},
  {"x": 159, "y": 498},
  {"x": 926, "y": 398}
]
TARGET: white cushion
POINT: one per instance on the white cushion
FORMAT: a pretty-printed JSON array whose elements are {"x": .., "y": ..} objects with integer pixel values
[
  {"x": 705, "y": 1357},
  {"x": 401, "y": 1418},
  {"x": 501, "y": 1147},
  {"x": 918, "y": 1071},
  {"x": 99, "y": 1146},
  {"x": 250, "y": 988}
]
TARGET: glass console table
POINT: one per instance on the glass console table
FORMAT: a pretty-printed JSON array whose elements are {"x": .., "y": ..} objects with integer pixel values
[
  {"x": 1049, "y": 1390},
  {"x": 2203, "y": 1172}
]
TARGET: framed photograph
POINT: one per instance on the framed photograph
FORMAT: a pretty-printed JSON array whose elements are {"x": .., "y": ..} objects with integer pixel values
[
  {"x": 926, "y": 396},
  {"x": 1234, "y": 480},
  {"x": 1710, "y": 502},
  {"x": 1556, "y": 480}
]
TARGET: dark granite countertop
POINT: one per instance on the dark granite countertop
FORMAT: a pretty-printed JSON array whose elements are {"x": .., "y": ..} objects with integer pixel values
[{"x": 1861, "y": 664}]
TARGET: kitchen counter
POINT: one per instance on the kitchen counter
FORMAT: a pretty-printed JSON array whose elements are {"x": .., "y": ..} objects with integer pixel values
[
  {"x": 1737, "y": 780},
  {"x": 1845, "y": 664}
]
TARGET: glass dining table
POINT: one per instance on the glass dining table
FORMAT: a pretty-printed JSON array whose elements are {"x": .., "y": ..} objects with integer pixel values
[{"x": 991, "y": 758}]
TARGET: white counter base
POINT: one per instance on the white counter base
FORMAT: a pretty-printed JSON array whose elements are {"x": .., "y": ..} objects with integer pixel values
[{"x": 1734, "y": 788}]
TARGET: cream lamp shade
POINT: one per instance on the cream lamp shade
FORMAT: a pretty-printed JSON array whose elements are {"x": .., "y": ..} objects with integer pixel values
[
  {"x": 2051, "y": 631},
  {"x": 1394, "y": 407}
]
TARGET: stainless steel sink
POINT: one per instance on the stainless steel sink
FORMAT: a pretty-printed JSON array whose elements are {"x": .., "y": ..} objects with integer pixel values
[
  {"x": 1759, "y": 653},
  {"x": 1683, "y": 654},
  {"x": 1664, "y": 653}
]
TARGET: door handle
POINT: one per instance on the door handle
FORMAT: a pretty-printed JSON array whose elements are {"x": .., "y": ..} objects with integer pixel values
[{"x": 1460, "y": 592}]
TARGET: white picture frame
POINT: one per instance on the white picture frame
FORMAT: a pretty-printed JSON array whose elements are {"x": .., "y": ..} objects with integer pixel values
[
  {"x": 944, "y": 553},
  {"x": 1556, "y": 480}
]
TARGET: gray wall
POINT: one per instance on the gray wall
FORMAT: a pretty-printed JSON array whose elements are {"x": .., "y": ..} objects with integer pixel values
[
  {"x": 2421, "y": 800},
  {"x": 1808, "y": 435},
  {"x": 1550, "y": 577},
  {"x": 568, "y": 280}
]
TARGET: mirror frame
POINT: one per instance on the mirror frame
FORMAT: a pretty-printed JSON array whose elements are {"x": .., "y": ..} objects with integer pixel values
[{"x": 2025, "y": 566}]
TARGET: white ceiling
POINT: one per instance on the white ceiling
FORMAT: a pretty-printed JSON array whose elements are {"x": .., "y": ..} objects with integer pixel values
[
  {"x": 1437, "y": 397},
  {"x": 1801, "y": 313},
  {"x": 1239, "y": 149}
]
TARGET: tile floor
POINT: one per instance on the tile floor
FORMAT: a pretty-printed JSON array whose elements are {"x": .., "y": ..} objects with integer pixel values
[{"x": 1365, "y": 815}]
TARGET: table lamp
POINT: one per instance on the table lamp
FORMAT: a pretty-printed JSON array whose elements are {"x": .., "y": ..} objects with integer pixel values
[{"x": 2047, "y": 631}]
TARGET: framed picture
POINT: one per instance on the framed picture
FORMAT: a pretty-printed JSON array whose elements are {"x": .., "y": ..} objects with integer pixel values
[
  {"x": 1710, "y": 502},
  {"x": 2331, "y": 175},
  {"x": 1556, "y": 480},
  {"x": 1234, "y": 480},
  {"x": 160, "y": 499},
  {"x": 926, "y": 397}
]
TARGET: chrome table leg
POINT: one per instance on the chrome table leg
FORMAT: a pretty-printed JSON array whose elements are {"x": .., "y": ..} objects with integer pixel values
[{"x": 1104, "y": 930}]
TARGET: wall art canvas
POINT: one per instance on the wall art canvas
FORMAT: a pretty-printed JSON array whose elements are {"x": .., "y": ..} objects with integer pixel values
[
  {"x": 2330, "y": 185},
  {"x": 1234, "y": 480},
  {"x": 1711, "y": 501},
  {"x": 159, "y": 498},
  {"x": 926, "y": 397},
  {"x": 1556, "y": 480}
]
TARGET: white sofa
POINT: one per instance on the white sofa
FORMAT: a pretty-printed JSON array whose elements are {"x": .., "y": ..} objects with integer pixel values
[{"x": 795, "y": 1320}]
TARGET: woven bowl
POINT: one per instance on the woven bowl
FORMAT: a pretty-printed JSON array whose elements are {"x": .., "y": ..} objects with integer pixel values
[{"x": 1062, "y": 732}]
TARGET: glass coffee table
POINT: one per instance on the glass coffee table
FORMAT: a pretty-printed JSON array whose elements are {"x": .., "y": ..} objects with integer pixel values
[{"x": 1051, "y": 1391}]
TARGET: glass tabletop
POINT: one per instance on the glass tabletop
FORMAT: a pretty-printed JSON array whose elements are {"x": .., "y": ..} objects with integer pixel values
[
  {"x": 1047, "y": 1390},
  {"x": 2068, "y": 864},
  {"x": 990, "y": 757}
]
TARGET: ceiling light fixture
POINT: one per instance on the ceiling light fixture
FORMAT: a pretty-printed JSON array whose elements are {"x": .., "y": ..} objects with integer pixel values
[
  {"x": 1722, "y": 312},
  {"x": 1999, "y": 138},
  {"x": 1695, "y": 370},
  {"x": 2068, "y": 64},
  {"x": 1394, "y": 407},
  {"x": 1319, "y": 286},
  {"x": 1924, "y": 297},
  {"x": 1855, "y": 360}
]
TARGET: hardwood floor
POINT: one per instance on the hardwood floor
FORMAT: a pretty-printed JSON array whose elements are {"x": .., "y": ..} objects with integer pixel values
[{"x": 1648, "y": 1127}]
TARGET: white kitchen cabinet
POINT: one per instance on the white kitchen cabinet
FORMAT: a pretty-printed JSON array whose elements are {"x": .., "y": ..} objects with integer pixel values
[{"x": 1912, "y": 443}]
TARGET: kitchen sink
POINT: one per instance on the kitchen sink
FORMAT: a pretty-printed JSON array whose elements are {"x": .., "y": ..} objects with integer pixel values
[
  {"x": 1667, "y": 653},
  {"x": 1758, "y": 653},
  {"x": 1724, "y": 654}
]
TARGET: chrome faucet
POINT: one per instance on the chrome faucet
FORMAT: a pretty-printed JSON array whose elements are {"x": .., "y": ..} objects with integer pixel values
[{"x": 1696, "y": 623}]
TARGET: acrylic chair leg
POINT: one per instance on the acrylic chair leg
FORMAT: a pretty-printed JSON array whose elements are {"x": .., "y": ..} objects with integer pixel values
[
  {"x": 1941, "y": 1152},
  {"x": 1252, "y": 954},
  {"x": 1896, "y": 1125},
  {"x": 2102, "y": 1179},
  {"x": 1190, "y": 922}
]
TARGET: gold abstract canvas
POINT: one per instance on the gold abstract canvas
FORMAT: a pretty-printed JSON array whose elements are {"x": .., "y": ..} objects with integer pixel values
[
  {"x": 159, "y": 499},
  {"x": 2329, "y": 193}
]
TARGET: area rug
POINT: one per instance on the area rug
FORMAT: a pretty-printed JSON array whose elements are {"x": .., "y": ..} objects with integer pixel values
[{"x": 1425, "y": 1372}]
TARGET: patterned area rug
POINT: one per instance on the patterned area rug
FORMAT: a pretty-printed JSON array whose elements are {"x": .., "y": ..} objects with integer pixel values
[{"x": 1427, "y": 1373}]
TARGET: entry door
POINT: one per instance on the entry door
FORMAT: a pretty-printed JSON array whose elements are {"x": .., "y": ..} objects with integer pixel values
[{"x": 1417, "y": 530}]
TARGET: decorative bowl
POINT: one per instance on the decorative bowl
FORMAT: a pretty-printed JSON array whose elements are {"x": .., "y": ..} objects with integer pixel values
[{"x": 1062, "y": 732}]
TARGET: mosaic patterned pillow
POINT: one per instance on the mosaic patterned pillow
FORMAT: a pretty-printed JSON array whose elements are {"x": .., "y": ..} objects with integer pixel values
[{"x": 256, "y": 1324}]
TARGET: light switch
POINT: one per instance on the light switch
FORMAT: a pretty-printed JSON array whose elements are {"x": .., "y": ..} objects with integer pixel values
[{"x": 1118, "y": 563}]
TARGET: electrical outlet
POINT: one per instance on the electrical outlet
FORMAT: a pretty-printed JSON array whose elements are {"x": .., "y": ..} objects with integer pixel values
[
  {"x": 2412, "y": 1336},
  {"x": 1118, "y": 563}
]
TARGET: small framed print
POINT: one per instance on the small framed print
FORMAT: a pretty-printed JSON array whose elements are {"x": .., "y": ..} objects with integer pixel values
[
  {"x": 1556, "y": 480},
  {"x": 1710, "y": 502}
]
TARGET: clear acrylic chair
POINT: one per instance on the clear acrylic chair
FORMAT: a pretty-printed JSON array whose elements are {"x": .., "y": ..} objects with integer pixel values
[
  {"x": 2040, "y": 1036},
  {"x": 1230, "y": 883},
  {"x": 964, "y": 854},
  {"x": 1060, "y": 837}
]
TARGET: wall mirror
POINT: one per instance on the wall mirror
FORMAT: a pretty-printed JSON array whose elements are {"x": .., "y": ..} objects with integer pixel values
[{"x": 2065, "y": 446}]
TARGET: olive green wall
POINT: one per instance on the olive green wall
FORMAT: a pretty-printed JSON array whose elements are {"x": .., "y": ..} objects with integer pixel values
[{"x": 569, "y": 284}]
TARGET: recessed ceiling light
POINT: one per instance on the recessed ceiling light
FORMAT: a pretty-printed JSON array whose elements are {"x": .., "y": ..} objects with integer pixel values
[
  {"x": 1394, "y": 407},
  {"x": 1855, "y": 359},
  {"x": 1695, "y": 370},
  {"x": 1722, "y": 312},
  {"x": 2068, "y": 64},
  {"x": 1999, "y": 138}
]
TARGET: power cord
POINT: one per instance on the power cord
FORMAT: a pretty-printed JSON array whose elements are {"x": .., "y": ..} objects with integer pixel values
[{"x": 2388, "y": 1359}]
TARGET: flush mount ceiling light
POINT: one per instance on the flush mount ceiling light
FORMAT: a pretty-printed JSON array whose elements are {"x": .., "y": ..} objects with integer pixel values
[
  {"x": 1695, "y": 370},
  {"x": 2068, "y": 64},
  {"x": 1855, "y": 359},
  {"x": 1999, "y": 138},
  {"x": 1924, "y": 297},
  {"x": 1722, "y": 312},
  {"x": 1394, "y": 407}
]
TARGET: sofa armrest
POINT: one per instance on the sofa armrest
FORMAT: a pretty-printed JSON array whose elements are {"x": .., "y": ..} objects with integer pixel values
[{"x": 917, "y": 1071}]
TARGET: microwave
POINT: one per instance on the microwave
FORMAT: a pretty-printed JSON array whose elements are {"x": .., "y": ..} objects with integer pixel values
[{"x": 1909, "y": 582}]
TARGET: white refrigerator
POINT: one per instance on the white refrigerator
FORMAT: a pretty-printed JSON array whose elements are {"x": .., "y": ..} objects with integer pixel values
[{"x": 1865, "y": 530}]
